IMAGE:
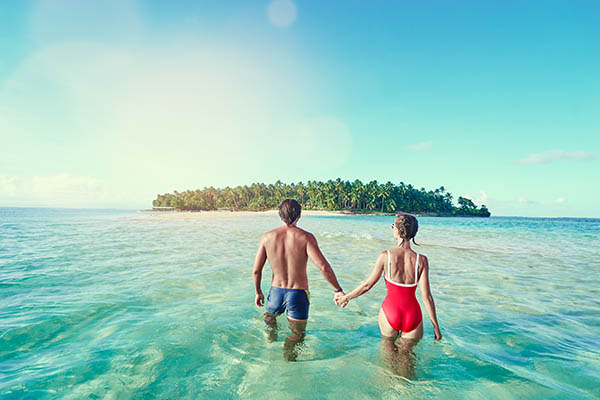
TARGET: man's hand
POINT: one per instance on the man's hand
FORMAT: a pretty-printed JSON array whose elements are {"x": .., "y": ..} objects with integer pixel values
[
  {"x": 259, "y": 299},
  {"x": 340, "y": 299},
  {"x": 336, "y": 296}
]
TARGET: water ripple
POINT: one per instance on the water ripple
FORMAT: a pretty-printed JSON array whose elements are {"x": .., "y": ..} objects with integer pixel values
[{"x": 108, "y": 304}]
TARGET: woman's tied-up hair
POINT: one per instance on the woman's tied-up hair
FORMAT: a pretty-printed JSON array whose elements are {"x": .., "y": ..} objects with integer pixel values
[{"x": 407, "y": 226}]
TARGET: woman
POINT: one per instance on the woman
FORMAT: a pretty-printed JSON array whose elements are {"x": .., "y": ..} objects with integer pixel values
[{"x": 403, "y": 269}]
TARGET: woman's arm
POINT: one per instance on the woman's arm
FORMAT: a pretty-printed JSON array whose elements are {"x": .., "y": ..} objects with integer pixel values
[
  {"x": 428, "y": 298},
  {"x": 367, "y": 284}
]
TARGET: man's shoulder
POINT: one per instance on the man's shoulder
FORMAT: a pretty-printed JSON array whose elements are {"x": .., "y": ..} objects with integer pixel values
[
  {"x": 269, "y": 235},
  {"x": 306, "y": 234}
]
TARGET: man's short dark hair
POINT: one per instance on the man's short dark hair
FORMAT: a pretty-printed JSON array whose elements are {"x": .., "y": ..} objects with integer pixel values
[{"x": 289, "y": 211}]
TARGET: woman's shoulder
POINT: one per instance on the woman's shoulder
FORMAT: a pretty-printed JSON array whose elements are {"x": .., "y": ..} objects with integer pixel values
[
  {"x": 413, "y": 256},
  {"x": 383, "y": 253},
  {"x": 423, "y": 260}
]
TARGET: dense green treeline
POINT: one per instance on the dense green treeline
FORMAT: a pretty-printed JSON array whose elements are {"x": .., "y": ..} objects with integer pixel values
[{"x": 330, "y": 195}]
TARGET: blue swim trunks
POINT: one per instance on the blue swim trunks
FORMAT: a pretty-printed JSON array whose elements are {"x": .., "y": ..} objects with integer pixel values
[{"x": 294, "y": 301}]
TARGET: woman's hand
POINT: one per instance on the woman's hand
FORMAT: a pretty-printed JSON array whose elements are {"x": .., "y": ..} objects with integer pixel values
[
  {"x": 437, "y": 333},
  {"x": 342, "y": 301}
]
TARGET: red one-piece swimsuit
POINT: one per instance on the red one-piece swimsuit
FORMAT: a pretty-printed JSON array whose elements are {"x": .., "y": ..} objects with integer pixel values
[{"x": 400, "y": 305}]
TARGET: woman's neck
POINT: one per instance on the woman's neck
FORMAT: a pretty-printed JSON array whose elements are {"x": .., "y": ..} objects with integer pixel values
[{"x": 403, "y": 243}]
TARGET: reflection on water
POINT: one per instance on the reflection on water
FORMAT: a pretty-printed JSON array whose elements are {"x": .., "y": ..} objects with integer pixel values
[{"x": 107, "y": 304}]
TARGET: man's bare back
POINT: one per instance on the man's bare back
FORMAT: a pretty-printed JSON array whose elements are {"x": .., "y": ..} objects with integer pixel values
[{"x": 288, "y": 248}]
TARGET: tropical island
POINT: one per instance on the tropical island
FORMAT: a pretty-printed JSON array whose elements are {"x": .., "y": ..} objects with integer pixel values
[{"x": 333, "y": 195}]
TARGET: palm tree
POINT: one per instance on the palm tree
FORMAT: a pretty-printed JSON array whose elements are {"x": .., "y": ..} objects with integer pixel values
[
  {"x": 300, "y": 192},
  {"x": 333, "y": 195},
  {"x": 385, "y": 191},
  {"x": 356, "y": 194},
  {"x": 372, "y": 191},
  {"x": 391, "y": 204}
]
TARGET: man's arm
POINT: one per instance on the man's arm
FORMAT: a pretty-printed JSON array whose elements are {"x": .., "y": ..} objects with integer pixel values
[
  {"x": 259, "y": 263},
  {"x": 315, "y": 255}
]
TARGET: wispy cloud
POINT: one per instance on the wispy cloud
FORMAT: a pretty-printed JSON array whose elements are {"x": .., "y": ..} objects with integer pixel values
[
  {"x": 480, "y": 200},
  {"x": 483, "y": 197},
  {"x": 420, "y": 146},
  {"x": 560, "y": 200},
  {"x": 523, "y": 200},
  {"x": 62, "y": 190},
  {"x": 554, "y": 155}
]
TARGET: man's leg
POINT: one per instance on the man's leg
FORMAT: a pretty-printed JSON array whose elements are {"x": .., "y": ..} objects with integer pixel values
[
  {"x": 297, "y": 305},
  {"x": 274, "y": 308},
  {"x": 293, "y": 343},
  {"x": 271, "y": 321}
]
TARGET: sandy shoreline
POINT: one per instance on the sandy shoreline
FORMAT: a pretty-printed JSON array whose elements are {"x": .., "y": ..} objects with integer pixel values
[
  {"x": 229, "y": 214},
  {"x": 232, "y": 214}
]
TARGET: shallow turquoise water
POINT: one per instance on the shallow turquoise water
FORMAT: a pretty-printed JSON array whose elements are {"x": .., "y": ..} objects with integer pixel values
[{"x": 114, "y": 304}]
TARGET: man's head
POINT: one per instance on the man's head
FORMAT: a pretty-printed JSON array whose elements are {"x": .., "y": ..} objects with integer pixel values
[{"x": 289, "y": 211}]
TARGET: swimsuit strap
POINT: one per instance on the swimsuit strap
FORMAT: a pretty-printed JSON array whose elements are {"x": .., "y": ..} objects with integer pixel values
[
  {"x": 389, "y": 263},
  {"x": 417, "y": 270}
]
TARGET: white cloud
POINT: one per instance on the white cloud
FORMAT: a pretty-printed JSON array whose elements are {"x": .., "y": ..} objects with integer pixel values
[
  {"x": 282, "y": 13},
  {"x": 560, "y": 200},
  {"x": 554, "y": 155},
  {"x": 8, "y": 186},
  {"x": 62, "y": 190},
  {"x": 483, "y": 197},
  {"x": 523, "y": 200},
  {"x": 420, "y": 146}
]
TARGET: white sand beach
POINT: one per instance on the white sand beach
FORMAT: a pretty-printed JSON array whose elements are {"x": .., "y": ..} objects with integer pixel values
[{"x": 226, "y": 214}]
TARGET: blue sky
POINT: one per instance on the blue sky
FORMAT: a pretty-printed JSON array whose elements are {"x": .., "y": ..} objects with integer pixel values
[{"x": 106, "y": 104}]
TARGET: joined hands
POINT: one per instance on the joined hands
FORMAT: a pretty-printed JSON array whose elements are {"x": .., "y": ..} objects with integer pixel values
[{"x": 341, "y": 299}]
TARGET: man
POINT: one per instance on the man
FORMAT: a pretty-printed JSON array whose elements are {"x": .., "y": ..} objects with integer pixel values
[{"x": 288, "y": 248}]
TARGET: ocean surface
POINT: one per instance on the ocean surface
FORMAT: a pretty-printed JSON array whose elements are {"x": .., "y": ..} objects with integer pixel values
[{"x": 119, "y": 304}]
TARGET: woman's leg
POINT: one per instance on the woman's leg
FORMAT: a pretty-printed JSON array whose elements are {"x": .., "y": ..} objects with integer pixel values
[
  {"x": 387, "y": 332},
  {"x": 399, "y": 354},
  {"x": 415, "y": 334},
  {"x": 389, "y": 349},
  {"x": 405, "y": 359}
]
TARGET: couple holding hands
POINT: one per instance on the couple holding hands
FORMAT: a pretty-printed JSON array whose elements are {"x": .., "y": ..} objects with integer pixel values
[{"x": 288, "y": 248}]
